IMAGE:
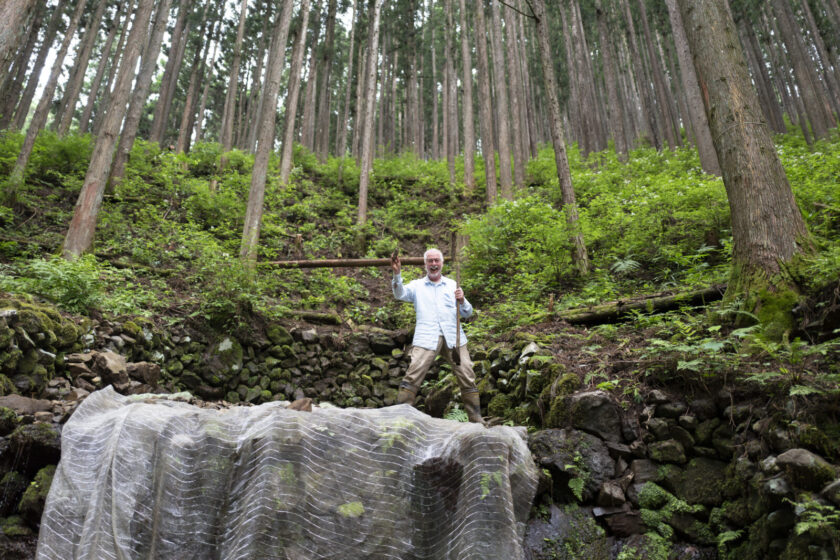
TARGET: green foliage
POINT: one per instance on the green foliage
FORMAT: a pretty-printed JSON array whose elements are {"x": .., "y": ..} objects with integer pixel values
[
  {"x": 820, "y": 520},
  {"x": 74, "y": 285}
]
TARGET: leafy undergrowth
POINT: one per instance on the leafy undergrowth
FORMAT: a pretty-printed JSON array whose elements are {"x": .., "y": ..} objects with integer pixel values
[{"x": 168, "y": 238}]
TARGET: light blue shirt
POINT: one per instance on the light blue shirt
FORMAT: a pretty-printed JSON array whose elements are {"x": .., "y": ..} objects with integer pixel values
[{"x": 434, "y": 304}]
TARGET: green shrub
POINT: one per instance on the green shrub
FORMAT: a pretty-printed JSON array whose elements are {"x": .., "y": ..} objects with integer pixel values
[{"x": 74, "y": 285}]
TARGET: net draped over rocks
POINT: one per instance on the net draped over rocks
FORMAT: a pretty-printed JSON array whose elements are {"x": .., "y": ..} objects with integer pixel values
[{"x": 156, "y": 478}]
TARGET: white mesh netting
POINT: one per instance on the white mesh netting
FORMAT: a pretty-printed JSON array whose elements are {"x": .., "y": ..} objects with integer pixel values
[{"x": 165, "y": 479}]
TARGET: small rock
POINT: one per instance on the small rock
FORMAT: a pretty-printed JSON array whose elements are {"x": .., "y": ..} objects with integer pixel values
[
  {"x": 668, "y": 451},
  {"x": 806, "y": 469}
]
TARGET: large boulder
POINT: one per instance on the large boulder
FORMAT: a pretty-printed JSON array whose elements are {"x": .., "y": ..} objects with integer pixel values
[
  {"x": 806, "y": 469},
  {"x": 594, "y": 412},
  {"x": 270, "y": 482}
]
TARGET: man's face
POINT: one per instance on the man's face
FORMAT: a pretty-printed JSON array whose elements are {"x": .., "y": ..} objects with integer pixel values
[{"x": 434, "y": 263}]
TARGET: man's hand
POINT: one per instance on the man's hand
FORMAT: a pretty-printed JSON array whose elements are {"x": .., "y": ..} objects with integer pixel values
[
  {"x": 459, "y": 295},
  {"x": 395, "y": 261}
]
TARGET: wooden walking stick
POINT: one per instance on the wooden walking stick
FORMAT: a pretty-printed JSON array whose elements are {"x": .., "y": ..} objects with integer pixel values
[{"x": 456, "y": 355}]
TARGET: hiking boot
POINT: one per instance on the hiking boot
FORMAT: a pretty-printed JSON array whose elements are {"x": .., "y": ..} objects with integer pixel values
[
  {"x": 472, "y": 404},
  {"x": 406, "y": 394}
]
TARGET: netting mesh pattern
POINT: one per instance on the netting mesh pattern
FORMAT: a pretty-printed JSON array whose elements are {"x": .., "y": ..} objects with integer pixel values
[{"x": 165, "y": 479}]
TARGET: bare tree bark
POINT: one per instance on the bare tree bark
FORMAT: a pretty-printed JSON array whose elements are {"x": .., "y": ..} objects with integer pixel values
[
  {"x": 202, "y": 105},
  {"x": 767, "y": 226},
  {"x": 265, "y": 136},
  {"x": 71, "y": 93},
  {"x": 80, "y": 233},
  {"x": 615, "y": 106},
  {"x": 648, "y": 124},
  {"x": 293, "y": 94},
  {"x": 663, "y": 94},
  {"x": 226, "y": 134},
  {"x": 344, "y": 121},
  {"x": 485, "y": 112},
  {"x": 435, "y": 102},
  {"x": 811, "y": 88},
  {"x": 13, "y": 83},
  {"x": 374, "y": 11},
  {"x": 39, "y": 119},
  {"x": 141, "y": 92},
  {"x": 830, "y": 77},
  {"x": 770, "y": 105},
  {"x": 199, "y": 61},
  {"x": 170, "y": 73},
  {"x": 515, "y": 97},
  {"x": 697, "y": 114},
  {"x": 322, "y": 140},
  {"x": 93, "y": 93},
  {"x": 307, "y": 123},
  {"x": 15, "y": 17},
  {"x": 254, "y": 100},
  {"x": 469, "y": 118},
  {"x": 502, "y": 107},
  {"x": 112, "y": 76},
  {"x": 580, "y": 257},
  {"x": 451, "y": 95}
]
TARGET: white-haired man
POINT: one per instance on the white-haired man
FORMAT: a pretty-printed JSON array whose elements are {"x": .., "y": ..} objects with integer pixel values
[{"x": 435, "y": 298}]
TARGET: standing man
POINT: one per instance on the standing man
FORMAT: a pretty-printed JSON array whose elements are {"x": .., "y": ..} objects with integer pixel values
[{"x": 435, "y": 298}]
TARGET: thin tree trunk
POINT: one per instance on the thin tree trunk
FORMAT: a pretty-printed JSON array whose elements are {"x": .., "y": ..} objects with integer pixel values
[
  {"x": 15, "y": 17},
  {"x": 13, "y": 84},
  {"x": 200, "y": 58},
  {"x": 307, "y": 124},
  {"x": 648, "y": 125},
  {"x": 344, "y": 121},
  {"x": 767, "y": 226},
  {"x": 813, "y": 95},
  {"x": 469, "y": 118},
  {"x": 170, "y": 73},
  {"x": 141, "y": 92},
  {"x": 451, "y": 98},
  {"x": 697, "y": 114},
  {"x": 39, "y": 119},
  {"x": 485, "y": 111},
  {"x": 831, "y": 77},
  {"x": 435, "y": 103},
  {"x": 360, "y": 105},
  {"x": 374, "y": 11},
  {"x": 254, "y": 100},
  {"x": 514, "y": 78},
  {"x": 265, "y": 136},
  {"x": 93, "y": 94},
  {"x": 615, "y": 107},
  {"x": 112, "y": 76},
  {"x": 202, "y": 106},
  {"x": 580, "y": 256},
  {"x": 74, "y": 86},
  {"x": 769, "y": 103},
  {"x": 502, "y": 107},
  {"x": 226, "y": 133},
  {"x": 294, "y": 94},
  {"x": 322, "y": 141},
  {"x": 83, "y": 225},
  {"x": 662, "y": 93}
]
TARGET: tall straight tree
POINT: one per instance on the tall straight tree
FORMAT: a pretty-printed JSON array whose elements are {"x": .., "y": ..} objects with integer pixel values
[
  {"x": 451, "y": 97},
  {"x": 516, "y": 97},
  {"x": 307, "y": 125},
  {"x": 807, "y": 81},
  {"x": 580, "y": 256},
  {"x": 226, "y": 136},
  {"x": 366, "y": 141},
  {"x": 696, "y": 112},
  {"x": 170, "y": 73},
  {"x": 23, "y": 105},
  {"x": 14, "y": 80},
  {"x": 93, "y": 93},
  {"x": 15, "y": 17},
  {"x": 469, "y": 118},
  {"x": 83, "y": 225},
  {"x": 140, "y": 94},
  {"x": 344, "y": 121},
  {"x": 293, "y": 94},
  {"x": 74, "y": 86},
  {"x": 615, "y": 105},
  {"x": 502, "y": 107},
  {"x": 767, "y": 227},
  {"x": 322, "y": 140},
  {"x": 485, "y": 111},
  {"x": 265, "y": 136},
  {"x": 664, "y": 117},
  {"x": 39, "y": 119}
]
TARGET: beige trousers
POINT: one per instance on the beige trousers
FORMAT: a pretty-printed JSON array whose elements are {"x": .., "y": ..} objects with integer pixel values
[{"x": 421, "y": 361}]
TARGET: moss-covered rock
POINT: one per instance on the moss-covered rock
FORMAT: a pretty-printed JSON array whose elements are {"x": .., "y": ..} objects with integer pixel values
[
  {"x": 15, "y": 527},
  {"x": 12, "y": 486},
  {"x": 8, "y": 421},
  {"x": 32, "y": 503},
  {"x": 500, "y": 406},
  {"x": 37, "y": 445},
  {"x": 278, "y": 335}
]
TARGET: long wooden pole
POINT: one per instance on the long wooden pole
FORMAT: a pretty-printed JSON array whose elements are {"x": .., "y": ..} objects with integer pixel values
[{"x": 343, "y": 263}]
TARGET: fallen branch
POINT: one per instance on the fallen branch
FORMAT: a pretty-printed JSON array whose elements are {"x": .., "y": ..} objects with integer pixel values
[
  {"x": 614, "y": 310},
  {"x": 342, "y": 263}
]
